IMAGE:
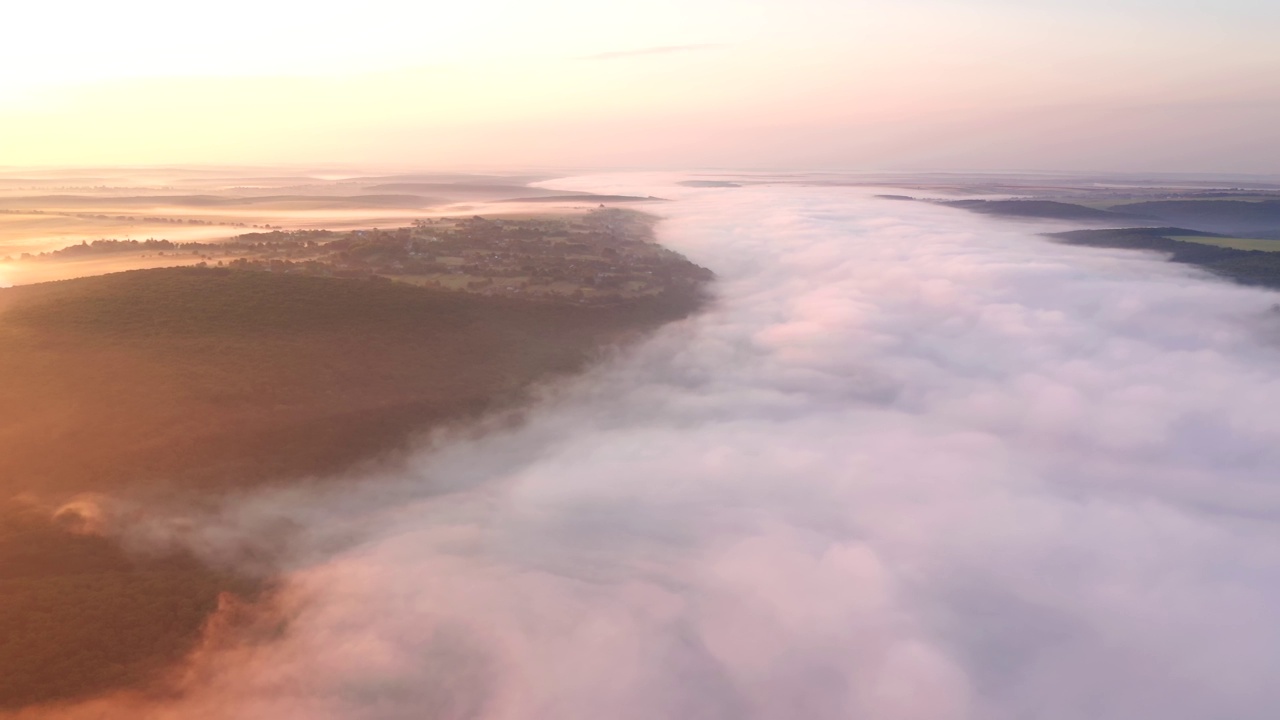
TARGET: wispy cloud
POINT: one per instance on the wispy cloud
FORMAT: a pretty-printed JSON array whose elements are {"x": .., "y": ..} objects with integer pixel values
[{"x": 664, "y": 50}]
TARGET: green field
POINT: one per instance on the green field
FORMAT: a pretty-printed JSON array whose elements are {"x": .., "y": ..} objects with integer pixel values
[{"x": 1230, "y": 242}]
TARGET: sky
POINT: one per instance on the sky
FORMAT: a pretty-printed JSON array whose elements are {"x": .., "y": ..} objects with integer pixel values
[
  {"x": 1126, "y": 85},
  {"x": 912, "y": 463}
]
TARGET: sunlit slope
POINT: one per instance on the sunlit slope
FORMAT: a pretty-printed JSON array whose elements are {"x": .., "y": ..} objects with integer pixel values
[
  {"x": 224, "y": 378},
  {"x": 183, "y": 383}
]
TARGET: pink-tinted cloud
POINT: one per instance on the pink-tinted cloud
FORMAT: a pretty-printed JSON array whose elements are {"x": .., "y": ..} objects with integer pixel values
[{"x": 913, "y": 464}]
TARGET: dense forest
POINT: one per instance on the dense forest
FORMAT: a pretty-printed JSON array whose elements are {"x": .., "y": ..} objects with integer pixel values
[
  {"x": 1047, "y": 209},
  {"x": 1257, "y": 218},
  {"x": 79, "y": 615},
  {"x": 173, "y": 384},
  {"x": 1251, "y": 267}
]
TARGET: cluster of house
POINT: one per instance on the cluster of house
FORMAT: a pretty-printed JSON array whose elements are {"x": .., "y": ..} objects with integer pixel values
[{"x": 588, "y": 260}]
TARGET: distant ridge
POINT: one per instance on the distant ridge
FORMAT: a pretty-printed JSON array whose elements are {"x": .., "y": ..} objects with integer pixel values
[
  {"x": 1247, "y": 267},
  {"x": 1253, "y": 219},
  {"x": 181, "y": 385},
  {"x": 1047, "y": 209},
  {"x": 1260, "y": 219},
  {"x": 586, "y": 198},
  {"x": 46, "y": 201},
  {"x": 486, "y": 189}
]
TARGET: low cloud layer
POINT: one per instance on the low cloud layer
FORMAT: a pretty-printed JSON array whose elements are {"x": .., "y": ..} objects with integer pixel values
[{"x": 914, "y": 464}]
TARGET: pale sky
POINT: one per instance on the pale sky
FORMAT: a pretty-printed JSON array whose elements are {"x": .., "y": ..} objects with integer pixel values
[{"x": 1141, "y": 85}]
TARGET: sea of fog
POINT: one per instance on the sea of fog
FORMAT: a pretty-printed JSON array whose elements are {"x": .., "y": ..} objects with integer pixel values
[{"x": 911, "y": 464}]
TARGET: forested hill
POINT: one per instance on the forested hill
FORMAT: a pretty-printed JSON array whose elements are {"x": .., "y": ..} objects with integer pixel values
[
  {"x": 220, "y": 376},
  {"x": 1249, "y": 219},
  {"x": 1040, "y": 209},
  {"x": 1249, "y": 267},
  {"x": 188, "y": 382},
  {"x": 1252, "y": 219}
]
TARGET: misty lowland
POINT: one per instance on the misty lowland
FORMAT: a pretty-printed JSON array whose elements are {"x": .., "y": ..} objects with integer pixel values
[
  {"x": 169, "y": 362},
  {"x": 673, "y": 360},
  {"x": 263, "y": 358}
]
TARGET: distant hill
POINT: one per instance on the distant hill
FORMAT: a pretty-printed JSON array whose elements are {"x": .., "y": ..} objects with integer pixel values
[
  {"x": 108, "y": 201},
  {"x": 584, "y": 198},
  {"x": 196, "y": 373},
  {"x": 1255, "y": 219},
  {"x": 1249, "y": 267},
  {"x": 1046, "y": 209},
  {"x": 484, "y": 191},
  {"x": 177, "y": 385},
  {"x": 464, "y": 178},
  {"x": 1231, "y": 217}
]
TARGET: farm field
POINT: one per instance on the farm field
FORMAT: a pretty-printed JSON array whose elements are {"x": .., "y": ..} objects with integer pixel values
[{"x": 1234, "y": 243}]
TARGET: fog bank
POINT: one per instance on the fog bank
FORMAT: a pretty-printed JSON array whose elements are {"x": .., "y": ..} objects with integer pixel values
[{"x": 913, "y": 464}]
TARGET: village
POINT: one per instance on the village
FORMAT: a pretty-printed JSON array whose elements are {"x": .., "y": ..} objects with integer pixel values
[{"x": 603, "y": 256}]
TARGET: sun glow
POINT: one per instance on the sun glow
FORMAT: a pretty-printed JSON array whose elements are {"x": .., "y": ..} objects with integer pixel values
[
  {"x": 759, "y": 83},
  {"x": 247, "y": 38}
]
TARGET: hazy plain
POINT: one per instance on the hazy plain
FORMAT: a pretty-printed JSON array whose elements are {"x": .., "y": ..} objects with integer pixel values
[
  {"x": 43, "y": 210},
  {"x": 912, "y": 463}
]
